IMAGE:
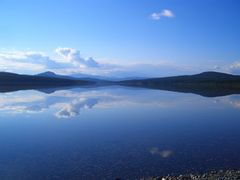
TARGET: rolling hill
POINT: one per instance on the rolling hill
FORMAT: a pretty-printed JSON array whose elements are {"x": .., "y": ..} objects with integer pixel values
[
  {"x": 208, "y": 84},
  {"x": 13, "y": 82}
]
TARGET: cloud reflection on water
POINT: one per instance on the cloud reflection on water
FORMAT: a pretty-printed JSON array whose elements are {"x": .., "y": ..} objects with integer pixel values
[
  {"x": 161, "y": 153},
  {"x": 70, "y": 103},
  {"x": 73, "y": 108}
]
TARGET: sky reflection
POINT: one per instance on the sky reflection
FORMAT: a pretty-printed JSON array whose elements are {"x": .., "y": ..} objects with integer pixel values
[
  {"x": 70, "y": 103},
  {"x": 129, "y": 132}
]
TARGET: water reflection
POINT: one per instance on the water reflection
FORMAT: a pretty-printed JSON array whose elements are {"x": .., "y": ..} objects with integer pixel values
[
  {"x": 116, "y": 132},
  {"x": 74, "y": 108},
  {"x": 161, "y": 153},
  {"x": 70, "y": 103}
]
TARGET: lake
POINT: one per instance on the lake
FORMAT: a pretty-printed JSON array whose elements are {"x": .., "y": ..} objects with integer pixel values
[{"x": 111, "y": 132}]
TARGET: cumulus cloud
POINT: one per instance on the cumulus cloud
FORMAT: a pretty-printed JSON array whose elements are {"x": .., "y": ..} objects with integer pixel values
[
  {"x": 164, "y": 13},
  {"x": 69, "y": 61},
  {"x": 30, "y": 61},
  {"x": 73, "y": 56}
]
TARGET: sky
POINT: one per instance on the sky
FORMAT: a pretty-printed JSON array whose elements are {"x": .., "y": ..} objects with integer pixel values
[{"x": 120, "y": 37}]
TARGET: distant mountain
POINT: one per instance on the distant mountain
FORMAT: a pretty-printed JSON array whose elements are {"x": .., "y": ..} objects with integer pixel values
[
  {"x": 78, "y": 76},
  {"x": 210, "y": 76},
  {"x": 88, "y": 77},
  {"x": 106, "y": 78},
  {"x": 83, "y": 76},
  {"x": 206, "y": 84},
  {"x": 201, "y": 78},
  {"x": 53, "y": 75},
  {"x": 13, "y": 82}
]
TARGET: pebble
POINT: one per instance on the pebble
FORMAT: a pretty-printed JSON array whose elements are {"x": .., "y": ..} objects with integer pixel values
[{"x": 213, "y": 175}]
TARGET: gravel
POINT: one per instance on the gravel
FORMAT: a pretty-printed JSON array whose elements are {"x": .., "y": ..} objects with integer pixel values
[{"x": 213, "y": 175}]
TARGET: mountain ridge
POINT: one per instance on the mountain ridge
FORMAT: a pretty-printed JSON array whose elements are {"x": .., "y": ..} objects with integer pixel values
[
  {"x": 54, "y": 75},
  {"x": 209, "y": 84}
]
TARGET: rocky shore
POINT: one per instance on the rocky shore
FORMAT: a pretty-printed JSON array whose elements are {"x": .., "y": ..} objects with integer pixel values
[{"x": 213, "y": 175}]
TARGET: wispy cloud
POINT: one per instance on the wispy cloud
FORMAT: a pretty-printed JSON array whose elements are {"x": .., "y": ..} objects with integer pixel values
[
  {"x": 25, "y": 61},
  {"x": 164, "y": 13},
  {"x": 69, "y": 61},
  {"x": 31, "y": 61},
  {"x": 234, "y": 67}
]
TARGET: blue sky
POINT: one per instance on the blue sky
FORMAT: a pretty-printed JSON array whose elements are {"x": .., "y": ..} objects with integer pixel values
[{"x": 121, "y": 36}]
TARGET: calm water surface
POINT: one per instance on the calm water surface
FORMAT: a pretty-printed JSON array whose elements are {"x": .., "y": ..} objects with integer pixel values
[{"x": 105, "y": 133}]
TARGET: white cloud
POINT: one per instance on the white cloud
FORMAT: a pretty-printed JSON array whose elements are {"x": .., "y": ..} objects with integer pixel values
[
  {"x": 73, "y": 56},
  {"x": 35, "y": 62},
  {"x": 234, "y": 67},
  {"x": 167, "y": 13},
  {"x": 164, "y": 13},
  {"x": 25, "y": 61},
  {"x": 69, "y": 61},
  {"x": 156, "y": 16}
]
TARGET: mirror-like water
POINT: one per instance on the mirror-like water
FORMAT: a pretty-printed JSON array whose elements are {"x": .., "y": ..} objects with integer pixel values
[{"x": 105, "y": 133}]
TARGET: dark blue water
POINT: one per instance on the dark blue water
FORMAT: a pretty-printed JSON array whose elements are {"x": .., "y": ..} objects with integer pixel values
[{"x": 117, "y": 132}]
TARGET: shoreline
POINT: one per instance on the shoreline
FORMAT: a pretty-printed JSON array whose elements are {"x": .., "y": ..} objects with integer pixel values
[{"x": 212, "y": 175}]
